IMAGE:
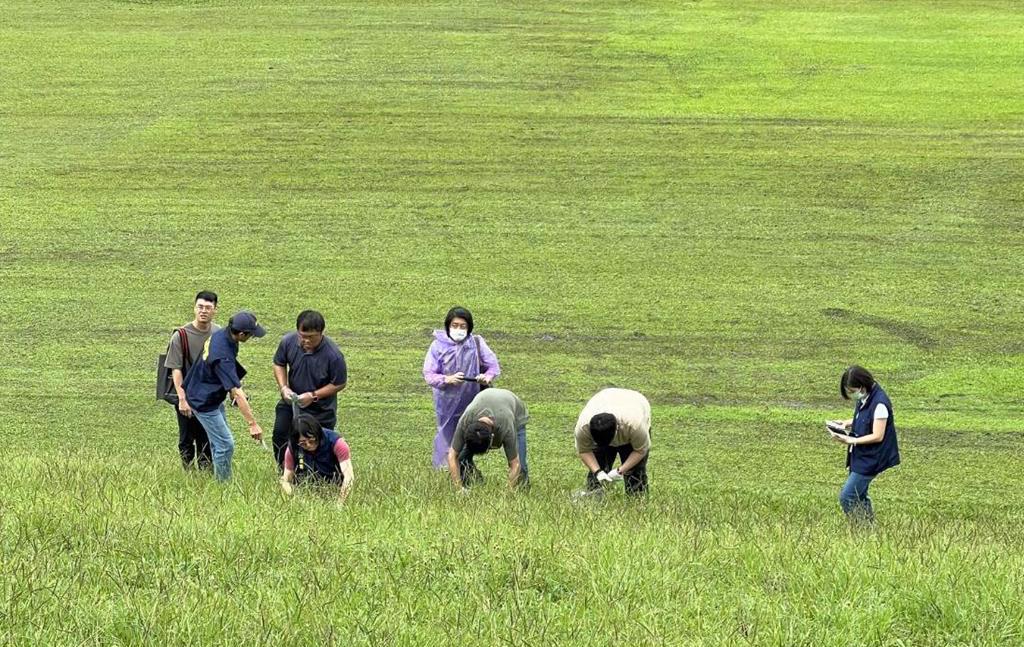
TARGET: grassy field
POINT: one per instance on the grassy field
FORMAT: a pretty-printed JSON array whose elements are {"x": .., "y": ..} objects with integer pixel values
[{"x": 720, "y": 204}]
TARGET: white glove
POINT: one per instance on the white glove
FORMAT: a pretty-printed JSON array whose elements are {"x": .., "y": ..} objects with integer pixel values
[
  {"x": 614, "y": 476},
  {"x": 603, "y": 477}
]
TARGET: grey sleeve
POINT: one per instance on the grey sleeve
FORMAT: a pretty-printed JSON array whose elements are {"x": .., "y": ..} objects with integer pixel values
[
  {"x": 173, "y": 359},
  {"x": 508, "y": 441}
]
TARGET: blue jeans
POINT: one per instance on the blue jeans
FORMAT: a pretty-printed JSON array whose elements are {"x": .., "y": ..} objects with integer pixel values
[
  {"x": 524, "y": 473},
  {"x": 221, "y": 441},
  {"x": 854, "y": 497}
]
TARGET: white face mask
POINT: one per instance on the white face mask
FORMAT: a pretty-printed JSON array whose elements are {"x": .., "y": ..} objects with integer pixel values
[{"x": 457, "y": 334}]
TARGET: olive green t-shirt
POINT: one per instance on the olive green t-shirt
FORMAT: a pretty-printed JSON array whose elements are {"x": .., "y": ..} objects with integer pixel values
[
  {"x": 509, "y": 414},
  {"x": 196, "y": 341}
]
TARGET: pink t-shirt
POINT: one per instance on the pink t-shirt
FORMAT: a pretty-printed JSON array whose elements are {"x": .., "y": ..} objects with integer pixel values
[{"x": 341, "y": 452}]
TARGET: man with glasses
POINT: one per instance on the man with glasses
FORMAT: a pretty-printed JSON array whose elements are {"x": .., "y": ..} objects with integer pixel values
[
  {"x": 310, "y": 371},
  {"x": 193, "y": 444}
]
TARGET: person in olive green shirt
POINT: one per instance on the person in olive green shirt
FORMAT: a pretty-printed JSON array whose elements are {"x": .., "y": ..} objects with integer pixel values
[
  {"x": 193, "y": 444},
  {"x": 495, "y": 418}
]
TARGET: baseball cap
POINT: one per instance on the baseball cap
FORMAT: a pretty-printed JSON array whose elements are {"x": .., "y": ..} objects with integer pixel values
[{"x": 245, "y": 321}]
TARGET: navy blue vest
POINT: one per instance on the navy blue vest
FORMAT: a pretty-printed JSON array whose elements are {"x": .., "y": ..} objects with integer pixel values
[
  {"x": 873, "y": 459},
  {"x": 320, "y": 464}
]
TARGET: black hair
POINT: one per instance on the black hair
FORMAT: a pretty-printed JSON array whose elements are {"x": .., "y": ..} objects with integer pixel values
[
  {"x": 855, "y": 377},
  {"x": 461, "y": 313},
  {"x": 310, "y": 321},
  {"x": 478, "y": 438},
  {"x": 206, "y": 295},
  {"x": 602, "y": 429},
  {"x": 305, "y": 426}
]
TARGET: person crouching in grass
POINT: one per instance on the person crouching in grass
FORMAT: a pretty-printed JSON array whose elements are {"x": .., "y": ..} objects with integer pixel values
[
  {"x": 615, "y": 423},
  {"x": 495, "y": 418},
  {"x": 316, "y": 455}
]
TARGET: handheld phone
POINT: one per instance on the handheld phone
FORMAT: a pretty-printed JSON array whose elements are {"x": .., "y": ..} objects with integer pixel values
[{"x": 836, "y": 428}]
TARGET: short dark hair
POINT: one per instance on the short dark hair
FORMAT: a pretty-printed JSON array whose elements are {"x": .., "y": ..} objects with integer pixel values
[
  {"x": 478, "y": 438},
  {"x": 305, "y": 426},
  {"x": 310, "y": 321},
  {"x": 602, "y": 429},
  {"x": 461, "y": 313},
  {"x": 206, "y": 295},
  {"x": 855, "y": 377}
]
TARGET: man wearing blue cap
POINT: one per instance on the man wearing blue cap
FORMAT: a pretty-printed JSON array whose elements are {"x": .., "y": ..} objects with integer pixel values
[{"x": 212, "y": 378}]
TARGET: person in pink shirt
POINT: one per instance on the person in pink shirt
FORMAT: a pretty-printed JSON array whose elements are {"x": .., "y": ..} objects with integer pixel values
[
  {"x": 458, "y": 365},
  {"x": 318, "y": 455}
]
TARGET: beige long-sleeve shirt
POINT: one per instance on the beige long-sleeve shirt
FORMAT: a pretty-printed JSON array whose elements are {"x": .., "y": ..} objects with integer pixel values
[{"x": 632, "y": 414}]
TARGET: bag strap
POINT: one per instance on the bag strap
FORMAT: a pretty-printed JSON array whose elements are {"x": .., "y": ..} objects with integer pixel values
[{"x": 186, "y": 355}]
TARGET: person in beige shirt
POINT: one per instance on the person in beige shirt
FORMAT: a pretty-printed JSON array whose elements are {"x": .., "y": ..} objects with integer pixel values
[{"x": 615, "y": 423}]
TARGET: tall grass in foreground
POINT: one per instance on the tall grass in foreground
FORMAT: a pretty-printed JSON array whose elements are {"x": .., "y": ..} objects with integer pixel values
[{"x": 126, "y": 551}]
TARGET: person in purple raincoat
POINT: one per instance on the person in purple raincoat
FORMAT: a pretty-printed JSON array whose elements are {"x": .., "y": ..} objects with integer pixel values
[{"x": 455, "y": 358}]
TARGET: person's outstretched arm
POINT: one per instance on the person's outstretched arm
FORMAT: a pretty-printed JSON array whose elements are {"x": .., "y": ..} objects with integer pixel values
[{"x": 346, "y": 483}]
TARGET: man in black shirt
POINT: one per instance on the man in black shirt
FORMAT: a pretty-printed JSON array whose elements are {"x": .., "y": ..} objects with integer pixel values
[{"x": 310, "y": 371}]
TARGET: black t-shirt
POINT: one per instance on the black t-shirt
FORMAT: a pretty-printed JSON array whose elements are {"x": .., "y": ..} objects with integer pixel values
[{"x": 308, "y": 372}]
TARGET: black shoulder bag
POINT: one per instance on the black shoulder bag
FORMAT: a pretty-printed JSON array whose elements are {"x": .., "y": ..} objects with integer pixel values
[{"x": 164, "y": 380}]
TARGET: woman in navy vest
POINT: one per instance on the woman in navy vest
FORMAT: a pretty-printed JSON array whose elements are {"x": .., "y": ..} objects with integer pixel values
[
  {"x": 870, "y": 437},
  {"x": 316, "y": 454}
]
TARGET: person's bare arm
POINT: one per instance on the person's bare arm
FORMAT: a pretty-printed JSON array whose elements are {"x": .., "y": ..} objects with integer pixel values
[
  {"x": 347, "y": 481},
  {"x": 877, "y": 434},
  {"x": 513, "y": 472},
  {"x": 590, "y": 461},
  {"x": 281, "y": 376},
  {"x": 453, "y": 469},
  {"x": 309, "y": 397},
  {"x": 286, "y": 481},
  {"x": 177, "y": 378},
  {"x": 632, "y": 460},
  {"x": 243, "y": 405}
]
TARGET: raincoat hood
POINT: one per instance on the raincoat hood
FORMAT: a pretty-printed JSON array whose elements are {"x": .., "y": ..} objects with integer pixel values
[{"x": 446, "y": 341}]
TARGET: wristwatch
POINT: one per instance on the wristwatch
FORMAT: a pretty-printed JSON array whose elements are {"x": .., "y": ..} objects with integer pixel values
[{"x": 316, "y": 398}]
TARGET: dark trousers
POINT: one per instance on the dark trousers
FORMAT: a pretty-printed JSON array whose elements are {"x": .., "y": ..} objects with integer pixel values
[
  {"x": 283, "y": 429},
  {"x": 636, "y": 480},
  {"x": 193, "y": 444}
]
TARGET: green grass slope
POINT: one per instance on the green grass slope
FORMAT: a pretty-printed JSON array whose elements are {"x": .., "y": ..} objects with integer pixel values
[{"x": 720, "y": 204}]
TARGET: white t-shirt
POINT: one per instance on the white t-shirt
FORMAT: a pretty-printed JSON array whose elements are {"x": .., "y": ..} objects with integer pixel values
[{"x": 881, "y": 411}]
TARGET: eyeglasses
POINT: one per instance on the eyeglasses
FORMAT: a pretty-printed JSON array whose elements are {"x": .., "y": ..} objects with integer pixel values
[{"x": 202, "y": 307}]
